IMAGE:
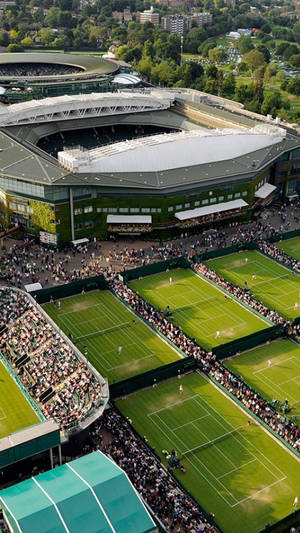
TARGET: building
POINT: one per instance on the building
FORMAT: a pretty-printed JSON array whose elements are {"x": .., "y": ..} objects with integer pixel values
[
  {"x": 202, "y": 19},
  {"x": 122, "y": 16},
  {"x": 51, "y": 181},
  {"x": 175, "y": 24},
  {"x": 148, "y": 16},
  {"x": 89, "y": 494}
]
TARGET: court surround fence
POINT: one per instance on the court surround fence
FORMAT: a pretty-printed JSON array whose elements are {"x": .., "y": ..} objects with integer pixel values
[{"x": 69, "y": 289}]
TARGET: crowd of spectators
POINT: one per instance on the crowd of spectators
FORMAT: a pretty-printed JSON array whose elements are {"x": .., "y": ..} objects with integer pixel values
[
  {"x": 129, "y": 228},
  {"x": 208, "y": 363},
  {"x": 36, "y": 69},
  {"x": 174, "y": 508},
  {"x": 279, "y": 255},
  {"x": 243, "y": 294},
  {"x": 47, "y": 365}
]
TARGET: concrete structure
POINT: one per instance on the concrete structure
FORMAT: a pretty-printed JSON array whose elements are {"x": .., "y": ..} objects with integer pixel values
[
  {"x": 148, "y": 16},
  {"x": 219, "y": 154},
  {"x": 174, "y": 24}
]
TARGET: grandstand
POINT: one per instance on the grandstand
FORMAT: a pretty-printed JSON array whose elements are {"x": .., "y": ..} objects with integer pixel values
[{"x": 49, "y": 379}]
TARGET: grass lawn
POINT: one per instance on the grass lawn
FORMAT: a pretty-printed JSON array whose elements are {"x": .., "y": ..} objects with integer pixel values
[
  {"x": 290, "y": 246},
  {"x": 281, "y": 380},
  {"x": 15, "y": 411},
  {"x": 98, "y": 321},
  {"x": 198, "y": 307},
  {"x": 234, "y": 470},
  {"x": 273, "y": 284}
]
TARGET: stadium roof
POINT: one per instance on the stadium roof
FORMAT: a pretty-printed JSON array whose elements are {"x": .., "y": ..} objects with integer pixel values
[
  {"x": 126, "y": 79},
  {"x": 90, "y": 65},
  {"x": 91, "y": 494}
]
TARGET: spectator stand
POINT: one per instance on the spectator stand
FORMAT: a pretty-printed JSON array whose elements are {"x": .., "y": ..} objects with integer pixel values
[
  {"x": 129, "y": 224},
  {"x": 211, "y": 213}
]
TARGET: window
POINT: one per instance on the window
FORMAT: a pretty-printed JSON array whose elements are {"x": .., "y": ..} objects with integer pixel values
[
  {"x": 221, "y": 198},
  {"x": 187, "y": 205},
  {"x": 88, "y": 209},
  {"x": 197, "y": 203},
  {"x": 204, "y": 202},
  {"x": 245, "y": 193},
  {"x": 237, "y": 195},
  {"x": 89, "y": 224},
  {"x": 170, "y": 208},
  {"x": 78, "y": 211},
  {"x": 134, "y": 210},
  {"x": 145, "y": 210},
  {"x": 213, "y": 200},
  {"x": 123, "y": 209},
  {"x": 104, "y": 209},
  {"x": 99, "y": 209},
  {"x": 78, "y": 226},
  {"x": 112, "y": 209},
  {"x": 230, "y": 196},
  {"x": 158, "y": 210},
  {"x": 178, "y": 207},
  {"x": 153, "y": 209}
]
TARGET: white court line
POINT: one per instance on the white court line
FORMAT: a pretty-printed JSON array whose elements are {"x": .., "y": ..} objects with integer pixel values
[
  {"x": 218, "y": 450},
  {"x": 259, "y": 491},
  {"x": 237, "y": 468},
  {"x": 3, "y": 413},
  {"x": 80, "y": 310},
  {"x": 273, "y": 384},
  {"x": 172, "y": 404},
  {"x": 249, "y": 442},
  {"x": 274, "y": 364},
  {"x": 193, "y": 465},
  {"x": 289, "y": 380},
  {"x": 191, "y": 422}
]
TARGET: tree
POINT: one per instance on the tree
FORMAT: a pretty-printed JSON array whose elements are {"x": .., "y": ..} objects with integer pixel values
[
  {"x": 27, "y": 42},
  {"x": 244, "y": 44},
  {"x": 205, "y": 47},
  {"x": 217, "y": 55},
  {"x": 254, "y": 59},
  {"x": 291, "y": 50},
  {"x": 295, "y": 61},
  {"x": 13, "y": 47},
  {"x": 296, "y": 32},
  {"x": 229, "y": 85},
  {"x": 264, "y": 50},
  {"x": 46, "y": 36},
  {"x": 294, "y": 86},
  {"x": 272, "y": 102},
  {"x": 193, "y": 39}
]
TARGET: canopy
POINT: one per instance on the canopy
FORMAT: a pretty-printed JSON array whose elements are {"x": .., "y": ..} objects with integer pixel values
[
  {"x": 33, "y": 287},
  {"x": 129, "y": 219},
  {"x": 91, "y": 494},
  {"x": 210, "y": 209},
  {"x": 265, "y": 190},
  {"x": 77, "y": 242}
]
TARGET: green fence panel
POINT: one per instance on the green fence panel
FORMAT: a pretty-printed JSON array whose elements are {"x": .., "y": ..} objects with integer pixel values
[
  {"x": 154, "y": 268},
  {"x": 151, "y": 377},
  {"x": 220, "y": 252},
  {"x": 285, "y": 236},
  {"x": 70, "y": 289},
  {"x": 284, "y": 525},
  {"x": 249, "y": 341}
]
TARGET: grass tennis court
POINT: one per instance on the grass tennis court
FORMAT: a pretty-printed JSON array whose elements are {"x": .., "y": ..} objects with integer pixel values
[
  {"x": 234, "y": 470},
  {"x": 99, "y": 322},
  {"x": 273, "y": 284},
  {"x": 278, "y": 381},
  {"x": 290, "y": 247},
  {"x": 198, "y": 307},
  {"x": 15, "y": 411}
]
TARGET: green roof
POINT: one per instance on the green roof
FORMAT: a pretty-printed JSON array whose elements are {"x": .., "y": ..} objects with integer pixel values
[{"x": 91, "y": 494}]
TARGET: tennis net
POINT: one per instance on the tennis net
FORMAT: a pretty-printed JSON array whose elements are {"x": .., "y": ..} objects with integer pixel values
[{"x": 103, "y": 331}]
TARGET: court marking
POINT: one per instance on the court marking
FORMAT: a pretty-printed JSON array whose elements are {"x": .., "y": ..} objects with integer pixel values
[
  {"x": 2, "y": 412},
  {"x": 249, "y": 452}
]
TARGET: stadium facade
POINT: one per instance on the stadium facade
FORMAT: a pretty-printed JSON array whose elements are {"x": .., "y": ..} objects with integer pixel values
[{"x": 219, "y": 162}]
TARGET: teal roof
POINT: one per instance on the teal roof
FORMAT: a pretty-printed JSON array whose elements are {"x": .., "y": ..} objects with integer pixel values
[{"x": 91, "y": 494}]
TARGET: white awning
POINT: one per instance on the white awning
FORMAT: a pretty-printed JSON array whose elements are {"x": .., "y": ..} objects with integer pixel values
[
  {"x": 129, "y": 219},
  {"x": 33, "y": 287},
  {"x": 210, "y": 209},
  {"x": 78, "y": 242},
  {"x": 265, "y": 190}
]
